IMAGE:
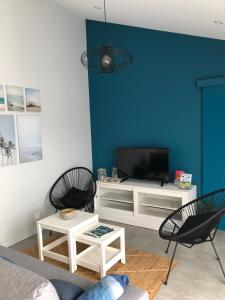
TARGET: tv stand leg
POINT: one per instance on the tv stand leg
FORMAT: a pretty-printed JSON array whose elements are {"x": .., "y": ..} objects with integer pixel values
[{"x": 162, "y": 183}]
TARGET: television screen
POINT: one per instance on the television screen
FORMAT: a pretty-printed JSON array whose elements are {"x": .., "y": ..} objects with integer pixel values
[{"x": 144, "y": 163}]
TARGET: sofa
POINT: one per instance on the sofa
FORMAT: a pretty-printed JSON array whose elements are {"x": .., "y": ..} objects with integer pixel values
[{"x": 48, "y": 271}]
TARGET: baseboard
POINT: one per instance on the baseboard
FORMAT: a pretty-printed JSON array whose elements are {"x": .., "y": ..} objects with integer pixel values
[{"x": 18, "y": 238}]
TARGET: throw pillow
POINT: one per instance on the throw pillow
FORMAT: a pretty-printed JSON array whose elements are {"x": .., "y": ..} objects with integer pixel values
[
  {"x": 194, "y": 221},
  {"x": 75, "y": 198},
  {"x": 106, "y": 289},
  {"x": 122, "y": 279},
  {"x": 66, "y": 290}
]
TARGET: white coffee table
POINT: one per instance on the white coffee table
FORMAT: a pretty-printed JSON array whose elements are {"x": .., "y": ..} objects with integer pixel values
[
  {"x": 67, "y": 227},
  {"x": 99, "y": 256}
]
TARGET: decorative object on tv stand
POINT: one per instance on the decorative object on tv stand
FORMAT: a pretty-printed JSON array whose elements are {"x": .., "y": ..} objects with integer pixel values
[
  {"x": 102, "y": 175},
  {"x": 114, "y": 174},
  {"x": 178, "y": 174},
  {"x": 185, "y": 181},
  {"x": 7, "y": 141},
  {"x": 106, "y": 58}
]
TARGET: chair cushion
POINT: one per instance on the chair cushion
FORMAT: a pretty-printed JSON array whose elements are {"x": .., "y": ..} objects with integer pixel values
[
  {"x": 19, "y": 283},
  {"x": 66, "y": 290},
  {"x": 194, "y": 221},
  {"x": 75, "y": 198}
]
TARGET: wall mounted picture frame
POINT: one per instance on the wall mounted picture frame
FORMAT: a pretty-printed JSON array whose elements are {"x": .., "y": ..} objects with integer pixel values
[
  {"x": 29, "y": 137},
  {"x": 33, "y": 100},
  {"x": 8, "y": 148},
  {"x": 20, "y": 125},
  {"x": 15, "y": 98},
  {"x": 2, "y": 98}
]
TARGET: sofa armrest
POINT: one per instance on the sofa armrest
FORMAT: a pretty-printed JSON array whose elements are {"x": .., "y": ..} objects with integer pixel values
[{"x": 134, "y": 293}]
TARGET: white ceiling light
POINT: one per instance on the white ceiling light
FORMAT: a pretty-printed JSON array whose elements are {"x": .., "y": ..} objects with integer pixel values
[{"x": 106, "y": 58}]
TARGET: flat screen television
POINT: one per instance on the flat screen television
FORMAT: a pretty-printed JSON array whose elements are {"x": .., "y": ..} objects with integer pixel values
[{"x": 144, "y": 163}]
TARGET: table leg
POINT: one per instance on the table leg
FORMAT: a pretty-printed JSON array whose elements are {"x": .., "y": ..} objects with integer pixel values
[
  {"x": 122, "y": 247},
  {"x": 40, "y": 242},
  {"x": 72, "y": 253},
  {"x": 103, "y": 261}
]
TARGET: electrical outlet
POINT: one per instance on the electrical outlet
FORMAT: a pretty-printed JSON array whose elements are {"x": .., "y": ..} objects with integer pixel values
[{"x": 37, "y": 216}]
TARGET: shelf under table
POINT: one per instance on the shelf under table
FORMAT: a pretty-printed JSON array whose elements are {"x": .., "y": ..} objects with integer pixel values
[
  {"x": 158, "y": 201},
  {"x": 91, "y": 257},
  {"x": 116, "y": 205},
  {"x": 126, "y": 197},
  {"x": 156, "y": 212}
]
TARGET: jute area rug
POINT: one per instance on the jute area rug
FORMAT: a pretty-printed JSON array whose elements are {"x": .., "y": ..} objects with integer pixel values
[{"x": 144, "y": 269}]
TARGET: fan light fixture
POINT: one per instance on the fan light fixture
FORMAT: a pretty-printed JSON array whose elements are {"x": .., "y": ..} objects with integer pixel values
[{"x": 106, "y": 58}]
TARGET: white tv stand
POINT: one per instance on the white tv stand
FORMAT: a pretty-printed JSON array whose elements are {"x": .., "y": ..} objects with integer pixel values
[{"x": 138, "y": 202}]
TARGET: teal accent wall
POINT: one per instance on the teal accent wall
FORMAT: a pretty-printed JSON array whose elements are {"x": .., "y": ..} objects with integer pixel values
[{"x": 156, "y": 101}]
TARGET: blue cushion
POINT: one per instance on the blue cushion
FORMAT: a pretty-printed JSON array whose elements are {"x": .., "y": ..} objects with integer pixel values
[
  {"x": 122, "y": 279},
  {"x": 66, "y": 290},
  {"x": 106, "y": 289}
]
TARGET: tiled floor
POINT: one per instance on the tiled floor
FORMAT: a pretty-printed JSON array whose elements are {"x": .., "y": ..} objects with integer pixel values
[{"x": 197, "y": 275}]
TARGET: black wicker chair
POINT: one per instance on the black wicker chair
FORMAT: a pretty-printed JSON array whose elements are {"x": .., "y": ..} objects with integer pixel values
[
  {"x": 194, "y": 223},
  {"x": 80, "y": 179}
]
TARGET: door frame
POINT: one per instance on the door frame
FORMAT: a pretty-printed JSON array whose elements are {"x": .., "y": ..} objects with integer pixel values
[{"x": 202, "y": 83}]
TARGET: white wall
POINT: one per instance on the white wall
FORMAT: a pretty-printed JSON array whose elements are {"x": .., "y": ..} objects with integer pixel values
[{"x": 40, "y": 47}]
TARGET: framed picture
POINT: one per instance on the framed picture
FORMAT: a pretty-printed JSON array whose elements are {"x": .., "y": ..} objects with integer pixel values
[
  {"x": 8, "y": 154},
  {"x": 15, "y": 98},
  {"x": 33, "y": 101},
  {"x": 2, "y": 98},
  {"x": 29, "y": 135}
]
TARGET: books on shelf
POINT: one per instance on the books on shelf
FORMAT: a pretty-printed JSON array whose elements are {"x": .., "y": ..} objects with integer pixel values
[{"x": 99, "y": 231}]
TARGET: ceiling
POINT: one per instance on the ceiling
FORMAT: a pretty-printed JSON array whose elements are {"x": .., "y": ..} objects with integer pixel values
[{"x": 194, "y": 17}]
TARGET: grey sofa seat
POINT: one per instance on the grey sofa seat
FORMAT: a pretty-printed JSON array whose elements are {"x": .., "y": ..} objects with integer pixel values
[{"x": 52, "y": 272}]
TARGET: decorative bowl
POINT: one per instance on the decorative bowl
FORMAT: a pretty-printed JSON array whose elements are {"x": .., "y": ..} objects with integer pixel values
[{"x": 67, "y": 213}]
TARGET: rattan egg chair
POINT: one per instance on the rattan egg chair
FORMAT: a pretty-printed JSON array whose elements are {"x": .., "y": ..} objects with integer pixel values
[
  {"x": 75, "y": 188},
  {"x": 194, "y": 223}
]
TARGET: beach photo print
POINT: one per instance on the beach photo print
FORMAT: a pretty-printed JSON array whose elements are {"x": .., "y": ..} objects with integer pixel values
[
  {"x": 15, "y": 98},
  {"x": 2, "y": 98},
  {"x": 8, "y": 155},
  {"x": 29, "y": 135},
  {"x": 33, "y": 100}
]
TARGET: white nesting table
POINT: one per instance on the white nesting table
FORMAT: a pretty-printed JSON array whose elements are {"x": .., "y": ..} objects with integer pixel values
[
  {"x": 100, "y": 256},
  {"x": 69, "y": 228}
]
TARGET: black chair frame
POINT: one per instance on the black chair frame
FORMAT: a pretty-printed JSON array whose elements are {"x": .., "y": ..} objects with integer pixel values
[
  {"x": 78, "y": 177},
  {"x": 203, "y": 232}
]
